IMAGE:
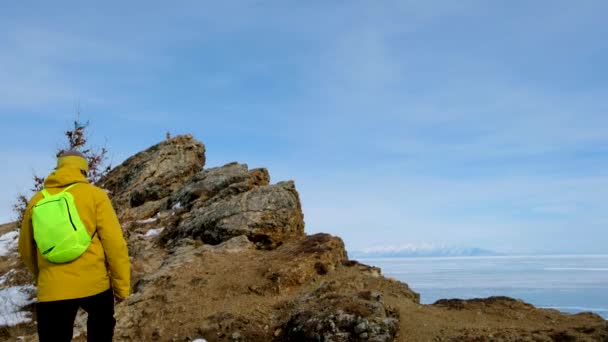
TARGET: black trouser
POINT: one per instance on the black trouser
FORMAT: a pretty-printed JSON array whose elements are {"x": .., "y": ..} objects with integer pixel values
[{"x": 56, "y": 318}]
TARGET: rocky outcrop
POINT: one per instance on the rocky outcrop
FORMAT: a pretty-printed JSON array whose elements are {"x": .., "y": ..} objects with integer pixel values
[
  {"x": 221, "y": 254},
  {"x": 221, "y": 203},
  {"x": 484, "y": 304},
  {"x": 213, "y": 205},
  {"x": 267, "y": 215},
  {"x": 516, "y": 320},
  {"x": 218, "y": 183},
  {"x": 140, "y": 184},
  {"x": 310, "y": 257},
  {"x": 330, "y": 313}
]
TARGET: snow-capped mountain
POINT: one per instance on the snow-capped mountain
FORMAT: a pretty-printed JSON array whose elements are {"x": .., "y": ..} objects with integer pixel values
[{"x": 422, "y": 250}]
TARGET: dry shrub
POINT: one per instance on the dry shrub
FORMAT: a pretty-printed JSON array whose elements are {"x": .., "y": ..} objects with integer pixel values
[{"x": 78, "y": 141}]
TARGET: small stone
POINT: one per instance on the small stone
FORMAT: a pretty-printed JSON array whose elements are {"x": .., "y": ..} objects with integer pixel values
[
  {"x": 360, "y": 328},
  {"x": 364, "y": 336}
]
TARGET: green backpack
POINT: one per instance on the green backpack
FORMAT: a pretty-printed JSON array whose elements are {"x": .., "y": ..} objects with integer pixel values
[{"x": 58, "y": 230}]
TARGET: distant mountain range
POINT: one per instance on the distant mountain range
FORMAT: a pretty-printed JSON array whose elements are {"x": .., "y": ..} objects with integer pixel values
[{"x": 424, "y": 250}]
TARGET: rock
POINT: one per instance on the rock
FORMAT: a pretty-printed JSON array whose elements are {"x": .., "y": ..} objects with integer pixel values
[
  {"x": 340, "y": 316},
  {"x": 153, "y": 175},
  {"x": 268, "y": 215},
  {"x": 234, "y": 245},
  {"x": 483, "y": 304},
  {"x": 361, "y": 328},
  {"x": 217, "y": 183}
]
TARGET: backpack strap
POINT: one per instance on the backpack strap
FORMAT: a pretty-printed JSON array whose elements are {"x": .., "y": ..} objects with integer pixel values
[
  {"x": 69, "y": 187},
  {"x": 46, "y": 194}
]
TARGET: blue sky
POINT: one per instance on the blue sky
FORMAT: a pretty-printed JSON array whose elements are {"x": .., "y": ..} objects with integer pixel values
[{"x": 465, "y": 123}]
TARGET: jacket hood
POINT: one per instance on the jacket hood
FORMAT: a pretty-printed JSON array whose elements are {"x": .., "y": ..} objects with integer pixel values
[
  {"x": 73, "y": 159},
  {"x": 64, "y": 176}
]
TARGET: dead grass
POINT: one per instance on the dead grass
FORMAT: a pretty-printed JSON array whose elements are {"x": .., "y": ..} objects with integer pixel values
[
  {"x": 21, "y": 332},
  {"x": 7, "y": 227},
  {"x": 16, "y": 274}
]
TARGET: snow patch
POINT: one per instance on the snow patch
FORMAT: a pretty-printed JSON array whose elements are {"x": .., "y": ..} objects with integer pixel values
[
  {"x": 154, "y": 232},
  {"x": 5, "y": 276},
  {"x": 200, "y": 340},
  {"x": 8, "y": 243},
  {"x": 150, "y": 220},
  {"x": 177, "y": 205},
  {"x": 12, "y": 301}
]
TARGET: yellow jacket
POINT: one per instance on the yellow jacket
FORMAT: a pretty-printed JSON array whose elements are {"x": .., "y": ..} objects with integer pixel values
[{"x": 105, "y": 263}]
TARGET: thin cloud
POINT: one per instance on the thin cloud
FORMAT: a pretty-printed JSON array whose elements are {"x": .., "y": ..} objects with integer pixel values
[{"x": 401, "y": 118}]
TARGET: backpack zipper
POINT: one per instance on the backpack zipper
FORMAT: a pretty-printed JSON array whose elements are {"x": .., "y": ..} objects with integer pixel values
[
  {"x": 48, "y": 250},
  {"x": 37, "y": 205},
  {"x": 69, "y": 214}
]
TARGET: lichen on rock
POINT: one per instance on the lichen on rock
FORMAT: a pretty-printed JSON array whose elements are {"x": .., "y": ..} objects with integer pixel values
[{"x": 140, "y": 183}]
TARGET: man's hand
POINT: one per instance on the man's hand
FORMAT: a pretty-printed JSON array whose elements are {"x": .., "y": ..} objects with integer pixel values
[{"x": 118, "y": 299}]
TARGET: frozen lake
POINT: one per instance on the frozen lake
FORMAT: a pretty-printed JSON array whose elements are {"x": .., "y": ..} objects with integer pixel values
[{"x": 569, "y": 283}]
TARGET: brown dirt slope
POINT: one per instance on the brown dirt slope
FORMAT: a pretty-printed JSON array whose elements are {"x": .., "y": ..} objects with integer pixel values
[
  {"x": 308, "y": 290},
  {"x": 6, "y": 227}
]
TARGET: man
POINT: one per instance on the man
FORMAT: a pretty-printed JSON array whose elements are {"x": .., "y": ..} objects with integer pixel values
[{"x": 94, "y": 279}]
